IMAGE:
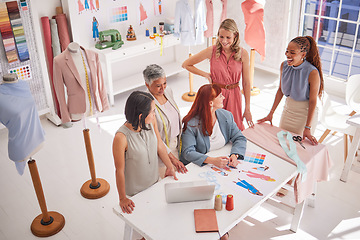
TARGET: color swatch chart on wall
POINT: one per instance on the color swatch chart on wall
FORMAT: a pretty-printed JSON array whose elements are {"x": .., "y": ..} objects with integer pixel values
[
  {"x": 12, "y": 32},
  {"x": 119, "y": 14},
  {"x": 23, "y": 72},
  {"x": 256, "y": 158}
]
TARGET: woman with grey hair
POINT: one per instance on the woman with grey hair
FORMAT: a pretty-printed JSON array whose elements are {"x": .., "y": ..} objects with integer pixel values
[{"x": 167, "y": 114}]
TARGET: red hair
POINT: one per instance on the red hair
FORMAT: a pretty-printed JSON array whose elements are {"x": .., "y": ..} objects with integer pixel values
[{"x": 201, "y": 107}]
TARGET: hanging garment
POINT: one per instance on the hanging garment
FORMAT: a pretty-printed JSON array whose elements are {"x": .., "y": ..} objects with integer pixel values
[
  {"x": 65, "y": 73},
  {"x": 254, "y": 30},
  {"x": 210, "y": 16},
  {"x": 200, "y": 21},
  {"x": 19, "y": 115},
  {"x": 189, "y": 29}
]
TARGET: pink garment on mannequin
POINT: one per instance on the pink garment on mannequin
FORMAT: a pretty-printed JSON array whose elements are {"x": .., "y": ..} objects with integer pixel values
[
  {"x": 254, "y": 30},
  {"x": 228, "y": 72},
  {"x": 210, "y": 16}
]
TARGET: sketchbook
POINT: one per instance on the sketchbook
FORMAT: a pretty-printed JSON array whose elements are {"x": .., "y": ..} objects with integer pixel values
[{"x": 205, "y": 220}]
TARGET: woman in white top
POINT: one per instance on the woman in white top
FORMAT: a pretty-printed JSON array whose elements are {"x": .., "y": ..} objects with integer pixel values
[{"x": 166, "y": 112}]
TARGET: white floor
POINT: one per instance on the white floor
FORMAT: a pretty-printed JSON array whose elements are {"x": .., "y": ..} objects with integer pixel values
[{"x": 63, "y": 168}]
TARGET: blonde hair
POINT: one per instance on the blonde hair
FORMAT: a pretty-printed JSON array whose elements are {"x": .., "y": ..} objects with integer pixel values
[{"x": 230, "y": 25}]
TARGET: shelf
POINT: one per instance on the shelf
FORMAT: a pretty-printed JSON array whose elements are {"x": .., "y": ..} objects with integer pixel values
[
  {"x": 132, "y": 51},
  {"x": 137, "y": 80}
]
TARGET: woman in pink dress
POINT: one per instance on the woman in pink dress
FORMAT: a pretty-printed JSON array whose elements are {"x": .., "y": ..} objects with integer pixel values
[{"x": 228, "y": 63}]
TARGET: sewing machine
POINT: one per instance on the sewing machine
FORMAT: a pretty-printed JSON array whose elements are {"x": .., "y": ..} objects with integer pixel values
[{"x": 115, "y": 37}]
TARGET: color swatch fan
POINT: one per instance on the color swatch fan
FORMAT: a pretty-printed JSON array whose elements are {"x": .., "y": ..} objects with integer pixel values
[
  {"x": 23, "y": 72},
  {"x": 257, "y": 158}
]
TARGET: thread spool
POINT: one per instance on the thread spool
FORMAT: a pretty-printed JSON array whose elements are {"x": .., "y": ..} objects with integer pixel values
[
  {"x": 229, "y": 202},
  {"x": 218, "y": 203},
  {"x": 154, "y": 29},
  {"x": 147, "y": 33}
]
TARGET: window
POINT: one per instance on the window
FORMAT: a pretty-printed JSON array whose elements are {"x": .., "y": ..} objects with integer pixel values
[{"x": 334, "y": 24}]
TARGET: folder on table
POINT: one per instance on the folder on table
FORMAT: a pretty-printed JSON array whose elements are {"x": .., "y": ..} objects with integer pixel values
[{"x": 205, "y": 220}]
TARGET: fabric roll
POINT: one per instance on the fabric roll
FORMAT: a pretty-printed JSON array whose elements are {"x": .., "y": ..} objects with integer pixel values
[
  {"x": 63, "y": 31},
  {"x": 49, "y": 53},
  {"x": 47, "y": 39},
  {"x": 55, "y": 42}
]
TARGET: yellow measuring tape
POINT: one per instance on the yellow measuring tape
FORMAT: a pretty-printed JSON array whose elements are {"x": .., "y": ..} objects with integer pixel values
[
  {"x": 87, "y": 83},
  {"x": 165, "y": 129}
]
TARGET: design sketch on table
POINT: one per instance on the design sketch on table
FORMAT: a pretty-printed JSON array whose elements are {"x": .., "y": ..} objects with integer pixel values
[
  {"x": 256, "y": 158},
  {"x": 262, "y": 168},
  {"x": 249, "y": 187},
  {"x": 211, "y": 178},
  {"x": 258, "y": 175},
  {"x": 221, "y": 171}
]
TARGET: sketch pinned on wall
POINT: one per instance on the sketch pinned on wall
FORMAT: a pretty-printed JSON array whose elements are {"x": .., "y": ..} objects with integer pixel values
[
  {"x": 157, "y": 7},
  {"x": 143, "y": 15},
  {"x": 80, "y": 6}
]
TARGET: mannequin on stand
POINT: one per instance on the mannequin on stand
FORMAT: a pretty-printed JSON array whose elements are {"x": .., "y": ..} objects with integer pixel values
[
  {"x": 18, "y": 113},
  {"x": 254, "y": 33},
  {"x": 26, "y": 137},
  {"x": 80, "y": 71}
]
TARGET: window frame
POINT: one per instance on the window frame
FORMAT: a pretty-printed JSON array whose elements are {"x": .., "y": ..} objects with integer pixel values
[{"x": 333, "y": 49}]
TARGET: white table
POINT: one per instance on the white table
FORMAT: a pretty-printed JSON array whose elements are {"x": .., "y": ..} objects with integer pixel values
[
  {"x": 354, "y": 121},
  {"x": 154, "y": 218}
]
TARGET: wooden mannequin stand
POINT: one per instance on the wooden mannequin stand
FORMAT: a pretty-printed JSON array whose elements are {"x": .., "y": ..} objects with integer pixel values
[
  {"x": 190, "y": 96},
  {"x": 47, "y": 223},
  {"x": 254, "y": 90},
  {"x": 95, "y": 187}
]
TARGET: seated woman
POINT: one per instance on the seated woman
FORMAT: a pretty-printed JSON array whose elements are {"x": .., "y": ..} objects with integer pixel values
[
  {"x": 208, "y": 127},
  {"x": 136, "y": 148},
  {"x": 167, "y": 114}
]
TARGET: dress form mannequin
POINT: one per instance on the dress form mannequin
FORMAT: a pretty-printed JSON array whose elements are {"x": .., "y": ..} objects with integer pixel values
[
  {"x": 75, "y": 52},
  {"x": 19, "y": 115},
  {"x": 217, "y": 5}
]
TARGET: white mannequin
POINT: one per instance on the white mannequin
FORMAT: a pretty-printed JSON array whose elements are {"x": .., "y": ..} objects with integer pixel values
[
  {"x": 262, "y": 2},
  {"x": 10, "y": 78},
  {"x": 217, "y": 6},
  {"x": 75, "y": 52}
]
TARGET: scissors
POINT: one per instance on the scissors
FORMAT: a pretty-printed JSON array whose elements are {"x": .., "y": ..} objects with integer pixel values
[{"x": 298, "y": 139}]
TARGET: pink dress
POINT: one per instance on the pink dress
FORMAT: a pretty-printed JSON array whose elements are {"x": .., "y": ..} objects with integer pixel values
[
  {"x": 254, "y": 30},
  {"x": 228, "y": 72}
]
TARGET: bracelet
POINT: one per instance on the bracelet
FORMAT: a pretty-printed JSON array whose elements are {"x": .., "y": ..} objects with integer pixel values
[{"x": 308, "y": 127}]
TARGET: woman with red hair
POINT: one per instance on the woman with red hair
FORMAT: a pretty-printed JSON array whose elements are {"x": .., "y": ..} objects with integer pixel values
[{"x": 208, "y": 127}]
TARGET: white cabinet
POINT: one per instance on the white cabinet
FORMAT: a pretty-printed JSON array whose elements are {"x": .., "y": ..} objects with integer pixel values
[{"x": 122, "y": 68}]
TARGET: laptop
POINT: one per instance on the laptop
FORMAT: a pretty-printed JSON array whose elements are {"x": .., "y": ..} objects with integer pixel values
[{"x": 188, "y": 191}]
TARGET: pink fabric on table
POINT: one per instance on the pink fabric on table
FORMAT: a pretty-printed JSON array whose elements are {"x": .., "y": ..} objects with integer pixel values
[
  {"x": 228, "y": 72},
  {"x": 210, "y": 16},
  {"x": 254, "y": 30},
  {"x": 316, "y": 158}
]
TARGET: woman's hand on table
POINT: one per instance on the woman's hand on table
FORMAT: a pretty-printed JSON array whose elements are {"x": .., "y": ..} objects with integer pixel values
[
  {"x": 269, "y": 118},
  {"x": 247, "y": 115},
  {"x": 307, "y": 134},
  {"x": 170, "y": 172},
  {"x": 180, "y": 167},
  {"x": 127, "y": 205},
  {"x": 220, "y": 162},
  {"x": 233, "y": 162}
]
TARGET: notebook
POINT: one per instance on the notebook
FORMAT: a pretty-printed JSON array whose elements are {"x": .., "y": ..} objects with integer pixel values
[
  {"x": 205, "y": 220},
  {"x": 188, "y": 191}
]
